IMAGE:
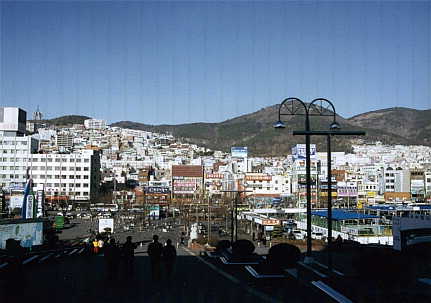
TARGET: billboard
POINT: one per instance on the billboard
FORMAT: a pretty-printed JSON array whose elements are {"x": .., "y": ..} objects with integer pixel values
[
  {"x": 299, "y": 152},
  {"x": 157, "y": 190},
  {"x": 185, "y": 186},
  {"x": 40, "y": 199},
  {"x": 239, "y": 152},
  {"x": 29, "y": 234},
  {"x": 106, "y": 223},
  {"x": 154, "y": 211},
  {"x": 16, "y": 201}
]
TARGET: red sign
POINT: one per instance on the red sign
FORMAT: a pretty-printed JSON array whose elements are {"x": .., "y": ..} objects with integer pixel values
[{"x": 270, "y": 222}]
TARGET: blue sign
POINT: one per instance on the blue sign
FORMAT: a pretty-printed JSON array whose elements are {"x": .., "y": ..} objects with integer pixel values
[{"x": 239, "y": 152}]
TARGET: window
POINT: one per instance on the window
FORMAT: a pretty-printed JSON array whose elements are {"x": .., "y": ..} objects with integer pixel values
[
  {"x": 71, "y": 168},
  {"x": 57, "y": 168},
  {"x": 85, "y": 193},
  {"x": 78, "y": 169},
  {"x": 71, "y": 185},
  {"x": 85, "y": 177},
  {"x": 85, "y": 185},
  {"x": 49, "y": 159},
  {"x": 49, "y": 184},
  {"x": 64, "y": 168},
  {"x": 72, "y": 160},
  {"x": 49, "y": 176},
  {"x": 43, "y": 160},
  {"x": 57, "y": 159},
  {"x": 56, "y": 184},
  {"x": 78, "y": 160},
  {"x": 78, "y": 185},
  {"x": 57, "y": 177},
  {"x": 64, "y": 160},
  {"x": 42, "y": 176},
  {"x": 71, "y": 177},
  {"x": 86, "y": 160},
  {"x": 49, "y": 168},
  {"x": 85, "y": 168},
  {"x": 78, "y": 177},
  {"x": 63, "y": 176}
]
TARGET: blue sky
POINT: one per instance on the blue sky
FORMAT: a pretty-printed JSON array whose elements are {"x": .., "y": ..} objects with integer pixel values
[{"x": 177, "y": 62}]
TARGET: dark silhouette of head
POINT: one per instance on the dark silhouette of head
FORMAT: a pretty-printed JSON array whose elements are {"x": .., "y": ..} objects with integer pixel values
[
  {"x": 156, "y": 238},
  {"x": 129, "y": 239},
  {"x": 168, "y": 242}
]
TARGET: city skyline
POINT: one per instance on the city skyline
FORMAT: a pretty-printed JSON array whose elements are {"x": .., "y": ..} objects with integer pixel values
[{"x": 176, "y": 62}]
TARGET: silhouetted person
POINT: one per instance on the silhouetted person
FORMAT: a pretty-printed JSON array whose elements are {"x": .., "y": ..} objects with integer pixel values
[
  {"x": 112, "y": 257},
  {"x": 169, "y": 254},
  {"x": 15, "y": 274},
  {"x": 155, "y": 253},
  {"x": 253, "y": 236},
  {"x": 182, "y": 238},
  {"x": 129, "y": 255}
]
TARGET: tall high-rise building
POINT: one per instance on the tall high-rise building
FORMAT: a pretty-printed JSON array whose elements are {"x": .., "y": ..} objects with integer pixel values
[
  {"x": 12, "y": 121},
  {"x": 37, "y": 115}
]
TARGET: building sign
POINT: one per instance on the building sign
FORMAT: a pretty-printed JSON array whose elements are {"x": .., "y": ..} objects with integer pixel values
[
  {"x": 186, "y": 186},
  {"x": 40, "y": 198},
  {"x": 157, "y": 190},
  {"x": 258, "y": 178},
  {"x": 214, "y": 176},
  {"x": 270, "y": 222},
  {"x": 239, "y": 152},
  {"x": 154, "y": 211},
  {"x": 299, "y": 152}
]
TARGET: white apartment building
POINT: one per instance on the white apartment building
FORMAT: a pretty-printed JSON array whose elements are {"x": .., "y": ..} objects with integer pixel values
[
  {"x": 75, "y": 175},
  {"x": 95, "y": 124},
  {"x": 14, "y": 154},
  {"x": 396, "y": 180}
]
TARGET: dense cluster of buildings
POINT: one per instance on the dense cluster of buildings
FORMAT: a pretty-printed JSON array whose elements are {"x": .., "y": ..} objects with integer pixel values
[{"x": 93, "y": 162}]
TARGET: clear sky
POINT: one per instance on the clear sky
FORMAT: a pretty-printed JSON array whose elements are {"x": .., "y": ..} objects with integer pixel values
[{"x": 176, "y": 62}]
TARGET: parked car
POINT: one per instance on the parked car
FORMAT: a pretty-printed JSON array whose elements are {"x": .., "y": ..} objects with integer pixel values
[{"x": 299, "y": 234}]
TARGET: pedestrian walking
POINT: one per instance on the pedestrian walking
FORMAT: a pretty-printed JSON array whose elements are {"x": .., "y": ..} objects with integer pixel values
[
  {"x": 112, "y": 258},
  {"x": 100, "y": 244},
  {"x": 182, "y": 238},
  {"x": 169, "y": 254},
  {"x": 95, "y": 246},
  {"x": 155, "y": 253},
  {"x": 129, "y": 255}
]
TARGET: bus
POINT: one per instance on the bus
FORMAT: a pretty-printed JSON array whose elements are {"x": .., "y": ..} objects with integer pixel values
[{"x": 102, "y": 207}]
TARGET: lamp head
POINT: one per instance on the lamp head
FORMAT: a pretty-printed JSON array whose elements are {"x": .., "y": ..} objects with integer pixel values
[
  {"x": 335, "y": 126},
  {"x": 279, "y": 124}
]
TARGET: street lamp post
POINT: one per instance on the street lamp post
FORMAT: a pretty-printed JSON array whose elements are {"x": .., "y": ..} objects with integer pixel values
[{"x": 309, "y": 110}]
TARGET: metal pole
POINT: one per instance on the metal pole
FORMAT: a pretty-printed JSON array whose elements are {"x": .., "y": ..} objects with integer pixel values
[
  {"x": 236, "y": 216},
  {"x": 209, "y": 218},
  {"x": 308, "y": 175},
  {"x": 329, "y": 218},
  {"x": 231, "y": 223}
]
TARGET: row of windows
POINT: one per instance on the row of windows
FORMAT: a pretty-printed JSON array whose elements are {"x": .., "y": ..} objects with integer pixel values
[
  {"x": 59, "y": 177},
  {"x": 17, "y": 176},
  {"x": 63, "y": 193},
  {"x": 63, "y": 184},
  {"x": 45, "y": 168},
  {"x": 13, "y": 142},
  {"x": 58, "y": 160}
]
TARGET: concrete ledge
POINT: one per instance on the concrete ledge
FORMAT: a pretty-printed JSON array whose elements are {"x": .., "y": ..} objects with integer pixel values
[
  {"x": 335, "y": 295},
  {"x": 256, "y": 275},
  {"x": 225, "y": 261}
]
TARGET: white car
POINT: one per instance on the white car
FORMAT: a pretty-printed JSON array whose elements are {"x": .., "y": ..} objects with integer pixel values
[
  {"x": 317, "y": 236},
  {"x": 299, "y": 234}
]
